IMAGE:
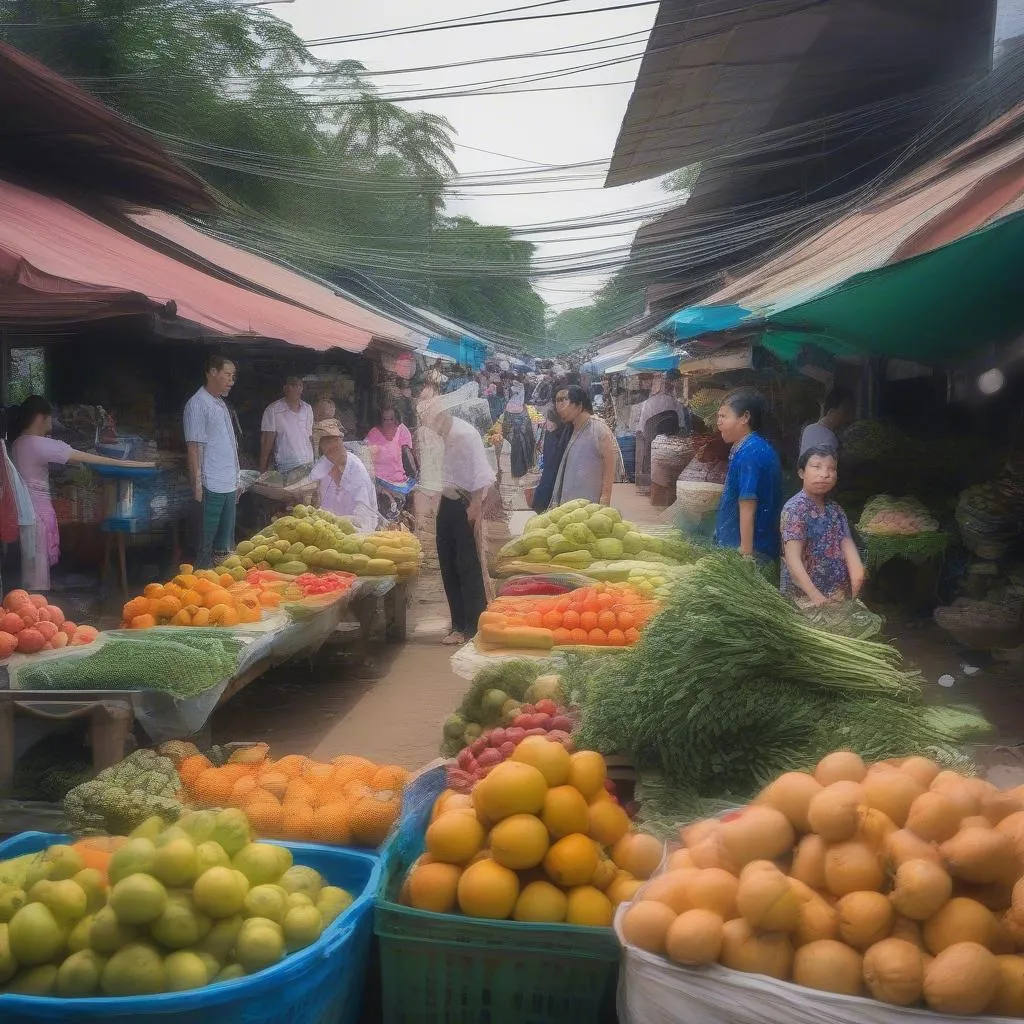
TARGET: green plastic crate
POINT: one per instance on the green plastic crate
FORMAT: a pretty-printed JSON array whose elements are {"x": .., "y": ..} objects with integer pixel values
[{"x": 448, "y": 969}]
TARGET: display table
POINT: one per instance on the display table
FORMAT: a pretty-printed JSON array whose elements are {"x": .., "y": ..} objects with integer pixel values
[{"x": 267, "y": 644}]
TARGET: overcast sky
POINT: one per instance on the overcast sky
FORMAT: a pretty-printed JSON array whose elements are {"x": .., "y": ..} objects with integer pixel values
[{"x": 552, "y": 127}]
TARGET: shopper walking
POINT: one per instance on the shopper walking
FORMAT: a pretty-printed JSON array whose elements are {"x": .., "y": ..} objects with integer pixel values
[
  {"x": 213, "y": 460},
  {"x": 286, "y": 433},
  {"x": 467, "y": 476},
  {"x": 587, "y": 469}
]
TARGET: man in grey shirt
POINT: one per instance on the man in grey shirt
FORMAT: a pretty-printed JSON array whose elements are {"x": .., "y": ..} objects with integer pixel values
[{"x": 838, "y": 413}]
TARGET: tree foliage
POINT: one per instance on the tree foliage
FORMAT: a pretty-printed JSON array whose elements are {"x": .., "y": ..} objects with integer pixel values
[
  {"x": 313, "y": 165},
  {"x": 617, "y": 303}
]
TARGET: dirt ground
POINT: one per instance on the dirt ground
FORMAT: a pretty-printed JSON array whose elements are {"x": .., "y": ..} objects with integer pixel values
[{"x": 390, "y": 705}]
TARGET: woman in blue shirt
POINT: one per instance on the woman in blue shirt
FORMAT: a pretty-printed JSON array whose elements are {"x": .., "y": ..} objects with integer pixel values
[{"x": 748, "y": 515}]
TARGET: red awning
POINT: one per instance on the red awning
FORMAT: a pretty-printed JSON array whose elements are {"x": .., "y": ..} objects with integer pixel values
[{"x": 64, "y": 258}]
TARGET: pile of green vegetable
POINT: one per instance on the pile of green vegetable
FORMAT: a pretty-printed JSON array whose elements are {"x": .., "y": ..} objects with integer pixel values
[
  {"x": 183, "y": 663},
  {"x": 730, "y": 685},
  {"x": 52, "y": 766},
  {"x": 123, "y": 796}
]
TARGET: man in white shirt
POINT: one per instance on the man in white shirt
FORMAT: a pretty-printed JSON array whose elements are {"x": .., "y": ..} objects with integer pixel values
[
  {"x": 213, "y": 460},
  {"x": 466, "y": 478},
  {"x": 287, "y": 431},
  {"x": 345, "y": 485},
  {"x": 838, "y": 413}
]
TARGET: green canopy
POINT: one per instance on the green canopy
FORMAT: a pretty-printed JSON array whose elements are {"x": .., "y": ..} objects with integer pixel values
[{"x": 936, "y": 306}]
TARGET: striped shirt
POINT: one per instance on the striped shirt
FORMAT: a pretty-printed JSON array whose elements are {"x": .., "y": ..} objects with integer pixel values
[{"x": 208, "y": 424}]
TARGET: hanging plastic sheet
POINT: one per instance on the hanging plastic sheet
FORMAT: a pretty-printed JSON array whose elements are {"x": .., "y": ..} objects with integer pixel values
[
  {"x": 657, "y": 357},
  {"x": 694, "y": 321}
]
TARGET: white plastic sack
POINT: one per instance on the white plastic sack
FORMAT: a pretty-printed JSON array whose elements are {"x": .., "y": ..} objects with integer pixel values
[{"x": 652, "y": 990}]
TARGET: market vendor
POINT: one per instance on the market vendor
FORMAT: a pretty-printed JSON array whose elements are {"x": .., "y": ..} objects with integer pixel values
[
  {"x": 213, "y": 460},
  {"x": 590, "y": 458},
  {"x": 820, "y": 560},
  {"x": 555, "y": 438},
  {"x": 286, "y": 433},
  {"x": 32, "y": 451},
  {"x": 838, "y": 412},
  {"x": 748, "y": 514},
  {"x": 344, "y": 484}
]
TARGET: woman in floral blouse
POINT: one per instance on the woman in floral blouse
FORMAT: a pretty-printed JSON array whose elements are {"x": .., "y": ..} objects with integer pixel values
[{"x": 820, "y": 561}]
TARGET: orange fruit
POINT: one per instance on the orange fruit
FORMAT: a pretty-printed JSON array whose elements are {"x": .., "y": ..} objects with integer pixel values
[
  {"x": 606, "y": 621},
  {"x": 153, "y": 590},
  {"x": 243, "y": 788},
  {"x": 142, "y": 622},
  {"x": 562, "y": 605},
  {"x": 579, "y": 636},
  {"x": 201, "y": 617},
  {"x": 168, "y": 606},
  {"x": 535, "y": 619},
  {"x": 606, "y": 600},
  {"x": 331, "y": 825},
  {"x": 571, "y": 619},
  {"x": 390, "y": 776},
  {"x": 616, "y": 638},
  {"x": 553, "y": 620},
  {"x": 632, "y": 636},
  {"x": 269, "y": 599},
  {"x": 264, "y": 816},
  {"x": 562, "y": 637},
  {"x": 371, "y": 817},
  {"x": 291, "y": 765},
  {"x": 362, "y": 769},
  {"x": 213, "y": 787},
  {"x": 597, "y": 638},
  {"x": 588, "y": 620},
  {"x": 191, "y": 767},
  {"x": 202, "y": 585},
  {"x": 183, "y": 618},
  {"x": 298, "y": 821},
  {"x": 298, "y": 791},
  {"x": 625, "y": 620}
]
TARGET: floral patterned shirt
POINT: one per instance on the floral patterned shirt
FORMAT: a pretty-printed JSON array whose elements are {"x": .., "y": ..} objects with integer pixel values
[{"x": 822, "y": 531}]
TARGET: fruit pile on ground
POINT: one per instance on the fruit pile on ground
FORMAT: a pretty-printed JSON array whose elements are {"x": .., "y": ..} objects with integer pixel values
[
  {"x": 198, "y": 598},
  {"x": 344, "y": 802},
  {"x": 540, "y": 839},
  {"x": 898, "y": 881},
  {"x": 604, "y": 615},
  {"x": 497, "y": 696},
  {"x": 475, "y": 762},
  {"x": 30, "y": 624},
  {"x": 578, "y": 533},
  {"x": 169, "y": 909},
  {"x": 312, "y": 539},
  {"x": 143, "y": 785}
]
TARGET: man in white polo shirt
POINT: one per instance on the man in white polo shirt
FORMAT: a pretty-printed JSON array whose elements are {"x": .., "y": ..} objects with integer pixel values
[
  {"x": 213, "y": 460},
  {"x": 286, "y": 433}
]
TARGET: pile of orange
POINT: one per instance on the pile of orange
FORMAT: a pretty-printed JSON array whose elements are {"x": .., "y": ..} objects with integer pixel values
[
  {"x": 604, "y": 615},
  {"x": 198, "y": 598},
  {"x": 347, "y": 801}
]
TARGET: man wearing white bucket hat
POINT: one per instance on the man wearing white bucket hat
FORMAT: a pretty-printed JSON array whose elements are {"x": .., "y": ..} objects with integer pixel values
[{"x": 466, "y": 477}]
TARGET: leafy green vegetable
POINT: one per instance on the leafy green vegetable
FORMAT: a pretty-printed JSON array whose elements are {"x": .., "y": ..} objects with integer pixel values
[
  {"x": 182, "y": 665},
  {"x": 730, "y": 686}
]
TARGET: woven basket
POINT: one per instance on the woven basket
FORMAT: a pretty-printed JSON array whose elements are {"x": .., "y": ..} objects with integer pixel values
[{"x": 696, "y": 498}]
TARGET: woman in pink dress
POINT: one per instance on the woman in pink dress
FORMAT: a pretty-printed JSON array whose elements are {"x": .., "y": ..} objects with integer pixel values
[
  {"x": 32, "y": 451},
  {"x": 386, "y": 442}
]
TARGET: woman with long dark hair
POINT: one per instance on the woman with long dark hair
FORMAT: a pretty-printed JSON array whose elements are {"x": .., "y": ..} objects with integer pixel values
[{"x": 32, "y": 451}]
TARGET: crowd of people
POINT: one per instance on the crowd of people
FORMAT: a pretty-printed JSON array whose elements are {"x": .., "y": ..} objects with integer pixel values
[{"x": 558, "y": 450}]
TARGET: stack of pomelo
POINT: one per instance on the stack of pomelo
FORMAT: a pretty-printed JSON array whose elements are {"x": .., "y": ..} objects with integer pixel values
[
  {"x": 898, "y": 881},
  {"x": 170, "y": 909},
  {"x": 540, "y": 839}
]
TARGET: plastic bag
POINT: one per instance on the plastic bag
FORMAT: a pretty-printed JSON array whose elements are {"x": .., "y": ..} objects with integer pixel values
[{"x": 652, "y": 990}]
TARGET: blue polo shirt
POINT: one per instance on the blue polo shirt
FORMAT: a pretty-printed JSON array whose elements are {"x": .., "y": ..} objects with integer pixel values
[{"x": 754, "y": 475}]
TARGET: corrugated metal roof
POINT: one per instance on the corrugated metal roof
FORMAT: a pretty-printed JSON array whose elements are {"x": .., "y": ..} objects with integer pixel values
[
  {"x": 971, "y": 186},
  {"x": 718, "y": 75},
  {"x": 59, "y": 240},
  {"x": 197, "y": 248},
  {"x": 59, "y": 138}
]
